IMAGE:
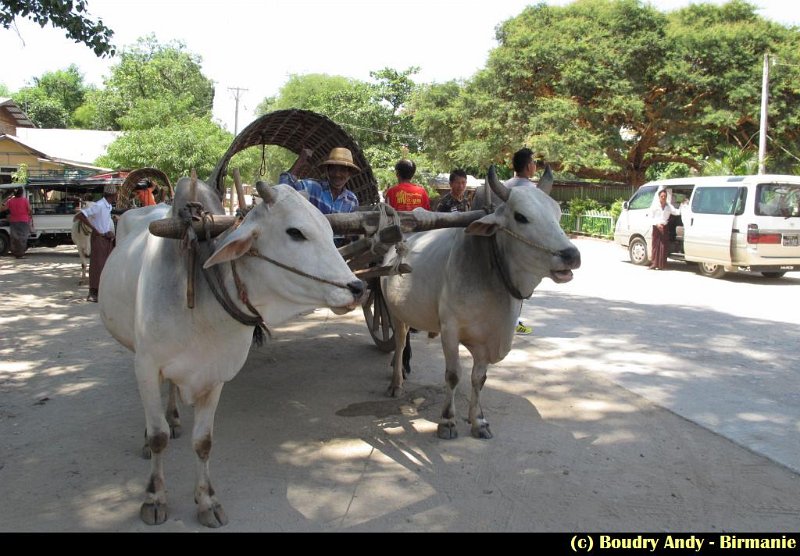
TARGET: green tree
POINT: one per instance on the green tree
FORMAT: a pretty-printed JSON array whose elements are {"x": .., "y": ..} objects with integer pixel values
[
  {"x": 42, "y": 110},
  {"x": 609, "y": 88},
  {"x": 149, "y": 75},
  {"x": 372, "y": 113},
  {"x": 70, "y": 16},
  {"x": 732, "y": 161},
  {"x": 174, "y": 149},
  {"x": 53, "y": 98},
  {"x": 64, "y": 86}
]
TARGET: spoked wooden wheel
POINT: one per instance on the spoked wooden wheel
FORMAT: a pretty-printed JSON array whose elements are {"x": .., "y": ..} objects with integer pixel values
[{"x": 376, "y": 313}]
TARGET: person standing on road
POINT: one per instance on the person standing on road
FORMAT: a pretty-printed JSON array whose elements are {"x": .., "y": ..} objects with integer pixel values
[
  {"x": 98, "y": 218},
  {"x": 407, "y": 196},
  {"x": 524, "y": 163},
  {"x": 659, "y": 215},
  {"x": 20, "y": 219},
  {"x": 456, "y": 200}
]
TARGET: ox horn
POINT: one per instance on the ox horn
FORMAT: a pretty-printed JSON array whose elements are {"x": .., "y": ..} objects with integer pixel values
[
  {"x": 497, "y": 186},
  {"x": 546, "y": 181},
  {"x": 266, "y": 192}
]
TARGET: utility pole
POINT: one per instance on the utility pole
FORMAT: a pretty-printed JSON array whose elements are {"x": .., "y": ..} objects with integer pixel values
[
  {"x": 237, "y": 93},
  {"x": 762, "y": 134}
]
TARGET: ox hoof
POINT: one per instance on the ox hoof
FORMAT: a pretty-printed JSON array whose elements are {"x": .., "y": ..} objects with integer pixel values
[
  {"x": 395, "y": 391},
  {"x": 482, "y": 431},
  {"x": 147, "y": 453},
  {"x": 213, "y": 517},
  {"x": 153, "y": 513},
  {"x": 175, "y": 431},
  {"x": 447, "y": 431}
]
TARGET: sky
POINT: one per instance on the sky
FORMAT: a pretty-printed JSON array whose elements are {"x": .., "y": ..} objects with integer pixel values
[{"x": 255, "y": 45}]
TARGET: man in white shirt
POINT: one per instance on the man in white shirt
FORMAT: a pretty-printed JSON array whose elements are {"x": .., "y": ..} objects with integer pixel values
[
  {"x": 660, "y": 212},
  {"x": 98, "y": 218},
  {"x": 524, "y": 163}
]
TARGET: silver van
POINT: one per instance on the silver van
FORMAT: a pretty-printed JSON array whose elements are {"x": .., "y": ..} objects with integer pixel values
[{"x": 727, "y": 223}]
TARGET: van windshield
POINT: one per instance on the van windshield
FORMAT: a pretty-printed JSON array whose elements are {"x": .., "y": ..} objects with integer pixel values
[
  {"x": 778, "y": 199},
  {"x": 642, "y": 198}
]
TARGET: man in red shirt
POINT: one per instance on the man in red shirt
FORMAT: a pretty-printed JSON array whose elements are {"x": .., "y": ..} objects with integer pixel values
[{"x": 406, "y": 195}]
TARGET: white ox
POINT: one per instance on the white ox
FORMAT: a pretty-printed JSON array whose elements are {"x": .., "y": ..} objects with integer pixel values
[
  {"x": 82, "y": 238},
  {"x": 143, "y": 303},
  {"x": 469, "y": 285}
]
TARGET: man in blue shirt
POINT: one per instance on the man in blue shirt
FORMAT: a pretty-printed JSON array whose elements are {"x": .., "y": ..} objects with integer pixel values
[{"x": 331, "y": 195}]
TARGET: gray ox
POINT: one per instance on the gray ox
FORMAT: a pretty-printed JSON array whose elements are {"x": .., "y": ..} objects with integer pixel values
[
  {"x": 469, "y": 285},
  {"x": 286, "y": 263}
]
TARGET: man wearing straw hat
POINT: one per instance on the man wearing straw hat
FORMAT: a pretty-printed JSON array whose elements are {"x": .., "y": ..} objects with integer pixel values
[
  {"x": 329, "y": 196},
  {"x": 98, "y": 218}
]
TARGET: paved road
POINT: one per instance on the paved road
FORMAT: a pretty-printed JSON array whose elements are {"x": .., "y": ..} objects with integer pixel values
[
  {"x": 722, "y": 353},
  {"x": 305, "y": 439}
]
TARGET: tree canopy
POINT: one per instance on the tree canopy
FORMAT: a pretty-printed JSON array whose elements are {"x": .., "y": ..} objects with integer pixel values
[
  {"x": 373, "y": 113},
  {"x": 158, "y": 95},
  {"x": 608, "y": 89},
  {"x": 53, "y": 98},
  {"x": 70, "y": 16},
  {"x": 150, "y": 76}
]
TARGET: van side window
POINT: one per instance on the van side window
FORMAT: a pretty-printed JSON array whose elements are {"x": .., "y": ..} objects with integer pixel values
[
  {"x": 719, "y": 200},
  {"x": 642, "y": 199},
  {"x": 778, "y": 199}
]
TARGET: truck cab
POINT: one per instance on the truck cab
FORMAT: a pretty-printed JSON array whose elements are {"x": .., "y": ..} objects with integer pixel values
[{"x": 54, "y": 202}]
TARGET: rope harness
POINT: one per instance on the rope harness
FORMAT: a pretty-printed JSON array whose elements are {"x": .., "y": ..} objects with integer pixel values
[
  {"x": 214, "y": 276},
  {"x": 501, "y": 268},
  {"x": 385, "y": 219}
]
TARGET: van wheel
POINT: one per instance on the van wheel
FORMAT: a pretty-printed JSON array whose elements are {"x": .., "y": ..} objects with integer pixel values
[
  {"x": 637, "y": 251},
  {"x": 5, "y": 243},
  {"x": 711, "y": 270},
  {"x": 772, "y": 274}
]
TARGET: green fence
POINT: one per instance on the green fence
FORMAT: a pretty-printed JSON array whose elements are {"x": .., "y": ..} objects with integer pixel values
[
  {"x": 593, "y": 223},
  {"x": 605, "y": 193}
]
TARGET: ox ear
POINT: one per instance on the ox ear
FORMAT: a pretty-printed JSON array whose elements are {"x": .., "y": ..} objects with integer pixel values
[
  {"x": 486, "y": 226},
  {"x": 232, "y": 247}
]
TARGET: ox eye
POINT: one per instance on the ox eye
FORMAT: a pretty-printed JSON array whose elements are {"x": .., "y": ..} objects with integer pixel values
[
  {"x": 295, "y": 234},
  {"x": 521, "y": 218}
]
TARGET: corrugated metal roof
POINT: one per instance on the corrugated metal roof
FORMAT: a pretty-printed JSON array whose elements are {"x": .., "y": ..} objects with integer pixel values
[{"x": 16, "y": 112}]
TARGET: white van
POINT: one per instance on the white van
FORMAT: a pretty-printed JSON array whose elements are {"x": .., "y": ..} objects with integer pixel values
[{"x": 727, "y": 223}]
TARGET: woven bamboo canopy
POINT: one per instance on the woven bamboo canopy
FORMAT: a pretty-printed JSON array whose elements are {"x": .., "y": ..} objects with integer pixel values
[
  {"x": 125, "y": 191},
  {"x": 295, "y": 130}
]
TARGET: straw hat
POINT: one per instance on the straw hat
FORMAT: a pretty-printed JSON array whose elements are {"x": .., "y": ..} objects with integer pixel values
[
  {"x": 110, "y": 190},
  {"x": 340, "y": 156}
]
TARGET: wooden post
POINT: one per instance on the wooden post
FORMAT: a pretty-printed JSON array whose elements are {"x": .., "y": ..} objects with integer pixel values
[{"x": 237, "y": 180}]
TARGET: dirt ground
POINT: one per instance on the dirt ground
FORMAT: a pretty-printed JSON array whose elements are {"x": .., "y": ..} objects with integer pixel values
[{"x": 305, "y": 439}]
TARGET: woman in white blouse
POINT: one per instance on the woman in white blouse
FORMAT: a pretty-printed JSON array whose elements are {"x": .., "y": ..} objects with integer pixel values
[{"x": 659, "y": 214}]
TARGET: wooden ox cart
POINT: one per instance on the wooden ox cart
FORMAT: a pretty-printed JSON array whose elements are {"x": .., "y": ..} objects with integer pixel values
[{"x": 380, "y": 226}]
